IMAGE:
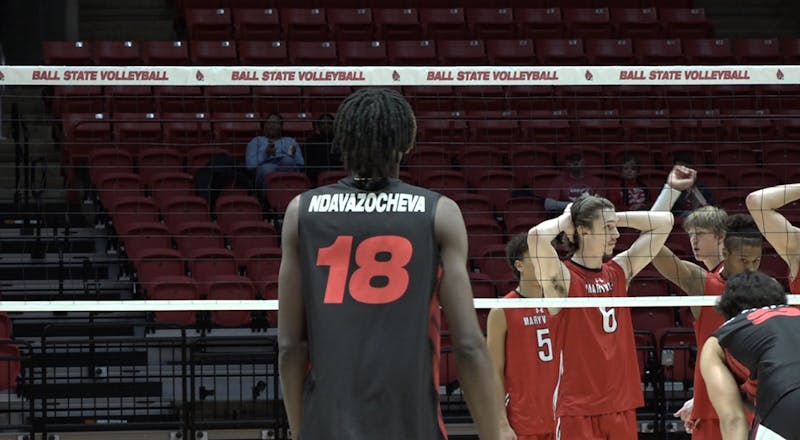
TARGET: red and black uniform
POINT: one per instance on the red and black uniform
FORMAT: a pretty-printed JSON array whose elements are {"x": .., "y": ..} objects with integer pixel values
[
  {"x": 599, "y": 389},
  {"x": 706, "y": 419},
  {"x": 369, "y": 262},
  {"x": 531, "y": 370},
  {"x": 761, "y": 350}
]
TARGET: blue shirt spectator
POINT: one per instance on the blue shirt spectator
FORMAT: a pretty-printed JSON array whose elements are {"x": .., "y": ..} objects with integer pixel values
[{"x": 273, "y": 151}]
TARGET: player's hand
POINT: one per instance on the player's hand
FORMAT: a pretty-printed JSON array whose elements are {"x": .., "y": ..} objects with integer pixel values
[
  {"x": 685, "y": 414},
  {"x": 568, "y": 227},
  {"x": 271, "y": 150},
  {"x": 681, "y": 178},
  {"x": 507, "y": 433},
  {"x": 292, "y": 150}
]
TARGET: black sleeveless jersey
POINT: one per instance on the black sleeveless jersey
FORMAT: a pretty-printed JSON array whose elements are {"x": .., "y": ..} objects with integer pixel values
[
  {"x": 370, "y": 267},
  {"x": 762, "y": 348}
]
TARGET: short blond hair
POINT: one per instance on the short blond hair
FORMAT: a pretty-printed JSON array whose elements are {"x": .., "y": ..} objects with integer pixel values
[{"x": 707, "y": 217}]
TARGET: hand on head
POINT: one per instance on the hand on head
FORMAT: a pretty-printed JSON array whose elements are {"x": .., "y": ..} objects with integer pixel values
[{"x": 681, "y": 177}]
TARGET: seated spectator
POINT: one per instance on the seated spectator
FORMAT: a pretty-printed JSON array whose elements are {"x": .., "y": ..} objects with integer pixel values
[
  {"x": 571, "y": 184},
  {"x": 695, "y": 197},
  {"x": 632, "y": 194},
  {"x": 273, "y": 151},
  {"x": 320, "y": 154}
]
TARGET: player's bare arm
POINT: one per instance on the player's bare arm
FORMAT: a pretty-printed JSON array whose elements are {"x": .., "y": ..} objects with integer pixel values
[
  {"x": 473, "y": 364},
  {"x": 496, "y": 330},
  {"x": 292, "y": 337},
  {"x": 551, "y": 273},
  {"x": 723, "y": 391},
  {"x": 655, "y": 228},
  {"x": 688, "y": 276},
  {"x": 779, "y": 232}
]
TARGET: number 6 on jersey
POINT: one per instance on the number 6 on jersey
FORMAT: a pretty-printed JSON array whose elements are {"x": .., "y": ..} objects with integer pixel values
[{"x": 368, "y": 267}]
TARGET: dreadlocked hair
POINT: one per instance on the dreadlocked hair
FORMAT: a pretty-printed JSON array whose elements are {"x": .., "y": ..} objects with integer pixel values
[
  {"x": 741, "y": 230},
  {"x": 372, "y": 129}
]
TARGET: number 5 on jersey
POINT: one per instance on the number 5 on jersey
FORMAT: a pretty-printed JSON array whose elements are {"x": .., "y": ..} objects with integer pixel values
[{"x": 382, "y": 256}]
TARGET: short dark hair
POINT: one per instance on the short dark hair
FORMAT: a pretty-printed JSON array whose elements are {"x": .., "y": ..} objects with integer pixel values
[
  {"x": 749, "y": 290},
  {"x": 373, "y": 128},
  {"x": 515, "y": 250},
  {"x": 741, "y": 230}
]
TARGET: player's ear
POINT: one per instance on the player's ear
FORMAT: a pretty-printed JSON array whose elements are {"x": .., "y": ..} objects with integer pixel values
[{"x": 518, "y": 265}]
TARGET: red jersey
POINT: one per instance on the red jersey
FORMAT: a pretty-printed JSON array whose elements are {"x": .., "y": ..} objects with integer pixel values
[
  {"x": 600, "y": 369},
  {"x": 706, "y": 324},
  {"x": 794, "y": 284},
  {"x": 531, "y": 368}
]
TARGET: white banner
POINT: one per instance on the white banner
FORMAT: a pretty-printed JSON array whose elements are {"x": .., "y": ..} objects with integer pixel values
[
  {"x": 480, "y": 303},
  {"x": 398, "y": 76}
]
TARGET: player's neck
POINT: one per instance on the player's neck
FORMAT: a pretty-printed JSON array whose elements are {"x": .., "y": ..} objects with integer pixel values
[
  {"x": 530, "y": 289},
  {"x": 590, "y": 260},
  {"x": 711, "y": 263}
]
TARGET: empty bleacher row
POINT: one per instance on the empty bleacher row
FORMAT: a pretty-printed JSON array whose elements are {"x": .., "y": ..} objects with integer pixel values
[{"x": 416, "y": 51}]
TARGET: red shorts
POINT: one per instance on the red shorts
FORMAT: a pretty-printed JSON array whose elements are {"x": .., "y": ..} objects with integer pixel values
[
  {"x": 706, "y": 429},
  {"x": 612, "y": 426}
]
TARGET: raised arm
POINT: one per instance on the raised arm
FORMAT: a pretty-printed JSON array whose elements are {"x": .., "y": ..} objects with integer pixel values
[
  {"x": 684, "y": 274},
  {"x": 292, "y": 337},
  {"x": 779, "y": 232},
  {"x": 655, "y": 228},
  {"x": 473, "y": 364},
  {"x": 723, "y": 391},
  {"x": 551, "y": 273}
]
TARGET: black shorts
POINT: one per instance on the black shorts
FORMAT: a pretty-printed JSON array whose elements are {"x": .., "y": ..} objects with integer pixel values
[{"x": 782, "y": 420}]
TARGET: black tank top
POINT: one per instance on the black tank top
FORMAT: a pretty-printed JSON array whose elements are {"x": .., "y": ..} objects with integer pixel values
[
  {"x": 370, "y": 266},
  {"x": 762, "y": 348}
]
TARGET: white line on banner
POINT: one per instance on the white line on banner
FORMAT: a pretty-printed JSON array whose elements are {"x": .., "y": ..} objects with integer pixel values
[
  {"x": 398, "y": 75},
  {"x": 481, "y": 303}
]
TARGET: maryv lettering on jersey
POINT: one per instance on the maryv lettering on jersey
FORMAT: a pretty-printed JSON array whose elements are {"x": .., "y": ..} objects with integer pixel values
[
  {"x": 367, "y": 202},
  {"x": 599, "y": 286},
  {"x": 534, "y": 320}
]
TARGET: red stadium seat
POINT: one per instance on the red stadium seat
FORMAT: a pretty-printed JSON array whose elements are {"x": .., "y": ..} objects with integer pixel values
[
  {"x": 653, "y": 319},
  {"x": 116, "y": 53},
  {"x": 699, "y": 124},
  {"x": 749, "y": 125},
  {"x": 598, "y": 126},
  {"x": 263, "y": 263},
  {"x": 587, "y": 22},
  {"x": 482, "y": 98},
  {"x": 428, "y": 157},
  {"x": 659, "y": 51},
  {"x": 545, "y": 126},
  {"x": 184, "y": 209},
  {"x": 165, "y": 53},
  {"x": 472, "y": 204},
  {"x": 232, "y": 209},
  {"x": 449, "y": 127},
  {"x": 396, "y": 24},
  {"x": 685, "y": 23},
  {"x": 539, "y": 23},
  {"x": 496, "y": 131},
  {"x": 474, "y": 160},
  {"x": 78, "y": 99},
  {"x": 461, "y": 52},
  {"x": 324, "y": 99},
  {"x": 444, "y": 181},
  {"x": 443, "y": 23},
  {"x": 736, "y": 154},
  {"x": 154, "y": 263},
  {"x": 190, "y": 236},
  {"x": 350, "y": 24},
  {"x": 783, "y": 159},
  {"x": 772, "y": 264},
  {"x": 232, "y": 131},
  {"x": 67, "y": 53},
  {"x": 510, "y": 52},
  {"x": 602, "y": 51},
  {"x": 758, "y": 51},
  {"x": 117, "y": 185},
  {"x": 282, "y": 187},
  {"x": 522, "y": 223},
  {"x": 231, "y": 288},
  {"x": 256, "y": 24},
  {"x": 649, "y": 287},
  {"x": 647, "y": 125},
  {"x": 279, "y": 99},
  {"x": 411, "y": 52},
  {"x": 496, "y": 184},
  {"x": 490, "y": 23},
  {"x": 263, "y": 53},
  {"x": 482, "y": 285},
  {"x": 134, "y": 210},
  {"x": 130, "y": 99},
  {"x": 790, "y": 47},
  {"x": 307, "y": 24},
  {"x": 482, "y": 232},
  {"x": 751, "y": 178},
  {"x": 705, "y": 51},
  {"x": 636, "y": 22},
  {"x": 179, "y": 99},
  {"x": 213, "y": 53},
  {"x": 526, "y": 160},
  {"x": 209, "y": 24},
  {"x": 175, "y": 288},
  {"x": 109, "y": 160},
  {"x": 561, "y": 52},
  {"x": 250, "y": 237},
  {"x": 362, "y": 53},
  {"x": 165, "y": 186},
  {"x": 313, "y": 53},
  {"x": 330, "y": 177},
  {"x": 183, "y": 131},
  {"x": 134, "y": 131},
  {"x": 81, "y": 132},
  {"x": 153, "y": 161},
  {"x": 678, "y": 348},
  {"x": 139, "y": 237},
  {"x": 207, "y": 264}
]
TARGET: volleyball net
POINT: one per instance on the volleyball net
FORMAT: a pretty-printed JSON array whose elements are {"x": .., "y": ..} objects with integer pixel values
[{"x": 153, "y": 162}]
